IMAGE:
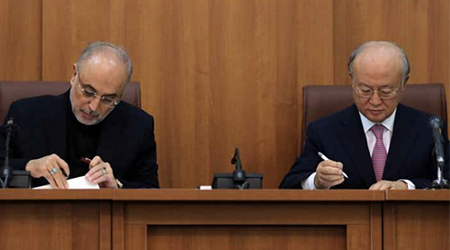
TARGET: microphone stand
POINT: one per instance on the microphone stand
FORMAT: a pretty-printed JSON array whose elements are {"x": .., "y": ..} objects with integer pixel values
[
  {"x": 6, "y": 172},
  {"x": 238, "y": 173},
  {"x": 8, "y": 176},
  {"x": 440, "y": 182},
  {"x": 436, "y": 125}
]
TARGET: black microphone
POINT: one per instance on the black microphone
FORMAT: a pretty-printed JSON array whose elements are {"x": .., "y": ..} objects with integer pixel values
[
  {"x": 436, "y": 125},
  {"x": 238, "y": 173},
  {"x": 6, "y": 172}
]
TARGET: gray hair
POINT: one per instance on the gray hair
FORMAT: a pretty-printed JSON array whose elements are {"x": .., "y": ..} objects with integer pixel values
[
  {"x": 404, "y": 58},
  {"x": 98, "y": 47}
]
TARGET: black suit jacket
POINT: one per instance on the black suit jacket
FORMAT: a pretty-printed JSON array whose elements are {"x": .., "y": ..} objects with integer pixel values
[
  {"x": 127, "y": 138},
  {"x": 341, "y": 138}
]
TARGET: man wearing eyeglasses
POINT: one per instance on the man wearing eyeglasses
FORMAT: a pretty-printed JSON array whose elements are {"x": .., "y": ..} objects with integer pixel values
[
  {"x": 87, "y": 131},
  {"x": 377, "y": 143}
]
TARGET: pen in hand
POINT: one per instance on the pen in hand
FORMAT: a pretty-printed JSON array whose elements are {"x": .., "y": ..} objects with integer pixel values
[
  {"x": 85, "y": 160},
  {"x": 326, "y": 159}
]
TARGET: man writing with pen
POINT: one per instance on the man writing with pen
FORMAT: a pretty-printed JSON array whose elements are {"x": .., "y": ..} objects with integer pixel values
[
  {"x": 377, "y": 142},
  {"x": 87, "y": 131}
]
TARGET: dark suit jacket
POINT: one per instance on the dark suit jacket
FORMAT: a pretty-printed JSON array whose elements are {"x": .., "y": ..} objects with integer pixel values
[
  {"x": 341, "y": 138},
  {"x": 127, "y": 139}
]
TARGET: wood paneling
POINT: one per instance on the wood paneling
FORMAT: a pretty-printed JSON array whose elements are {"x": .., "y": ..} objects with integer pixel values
[
  {"x": 418, "y": 219},
  {"x": 69, "y": 26},
  {"x": 20, "y": 40},
  {"x": 223, "y": 74},
  {"x": 245, "y": 237},
  {"x": 250, "y": 219},
  {"x": 220, "y": 195},
  {"x": 55, "y": 225},
  {"x": 415, "y": 225},
  {"x": 215, "y": 74},
  {"x": 421, "y": 27}
]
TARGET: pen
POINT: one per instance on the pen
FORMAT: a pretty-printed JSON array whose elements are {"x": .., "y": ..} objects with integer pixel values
[
  {"x": 85, "y": 160},
  {"x": 326, "y": 159}
]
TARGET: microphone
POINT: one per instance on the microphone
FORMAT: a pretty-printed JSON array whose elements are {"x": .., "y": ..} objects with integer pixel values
[
  {"x": 6, "y": 172},
  {"x": 436, "y": 124},
  {"x": 238, "y": 173},
  {"x": 239, "y": 178}
]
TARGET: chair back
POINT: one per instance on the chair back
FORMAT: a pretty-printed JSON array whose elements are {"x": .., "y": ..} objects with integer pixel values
[
  {"x": 323, "y": 100},
  {"x": 11, "y": 91}
]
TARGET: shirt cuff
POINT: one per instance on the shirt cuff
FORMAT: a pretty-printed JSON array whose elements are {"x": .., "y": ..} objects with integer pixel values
[
  {"x": 411, "y": 185},
  {"x": 308, "y": 183}
]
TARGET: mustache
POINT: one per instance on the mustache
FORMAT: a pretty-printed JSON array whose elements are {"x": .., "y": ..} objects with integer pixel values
[{"x": 90, "y": 112}]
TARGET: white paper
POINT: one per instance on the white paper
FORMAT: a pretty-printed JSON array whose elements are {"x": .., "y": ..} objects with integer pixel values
[
  {"x": 75, "y": 183},
  {"x": 203, "y": 187}
]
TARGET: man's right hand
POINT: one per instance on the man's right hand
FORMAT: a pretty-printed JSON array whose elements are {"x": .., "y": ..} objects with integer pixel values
[
  {"x": 50, "y": 167},
  {"x": 328, "y": 174}
]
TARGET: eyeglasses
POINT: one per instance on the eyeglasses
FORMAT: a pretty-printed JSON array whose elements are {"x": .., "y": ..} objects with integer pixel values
[
  {"x": 109, "y": 101},
  {"x": 384, "y": 94}
]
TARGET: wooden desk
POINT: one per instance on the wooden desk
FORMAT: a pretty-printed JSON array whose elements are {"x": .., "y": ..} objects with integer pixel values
[
  {"x": 55, "y": 219},
  {"x": 224, "y": 219},
  {"x": 247, "y": 219},
  {"x": 417, "y": 219}
]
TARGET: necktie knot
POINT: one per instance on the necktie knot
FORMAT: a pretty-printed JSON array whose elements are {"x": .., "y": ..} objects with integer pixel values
[{"x": 378, "y": 129}]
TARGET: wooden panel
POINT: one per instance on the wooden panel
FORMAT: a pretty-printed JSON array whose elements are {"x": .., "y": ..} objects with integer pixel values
[
  {"x": 136, "y": 237},
  {"x": 376, "y": 226},
  {"x": 79, "y": 221},
  {"x": 421, "y": 27},
  {"x": 315, "y": 51},
  {"x": 246, "y": 195},
  {"x": 118, "y": 233},
  {"x": 21, "y": 40},
  {"x": 69, "y": 26},
  {"x": 239, "y": 237},
  {"x": 105, "y": 225},
  {"x": 355, "y": 234},
  {"x": 215, "y": 74},
  {"x": 416, "y": 225},
  {"x": 254, "y": 213},
  {"x": 52, "y": 194},
  {"x": 418, "y": 195},
  {"x": 223, "y": 74},
  {"x": 56, "y": 225},
  {"x": 225, "y": 219}
]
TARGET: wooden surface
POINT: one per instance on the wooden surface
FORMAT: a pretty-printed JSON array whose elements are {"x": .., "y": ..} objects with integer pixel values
[
  {"x": 55, "y": 224},
  {"x": 20, "y": 40},
  {"x": 418, "y": 195},
  {"x": 55, "y": 219},
  {"x": 73, "y": 194},
  {"x": 418, "y": 219},
  {"x": 248, "y": 237},
  {"x": 223, "y": 74},
  {"x": 224, "y": 219},
  {"x": 253, "y": 219},
  {"x": 247, "y": 195}
]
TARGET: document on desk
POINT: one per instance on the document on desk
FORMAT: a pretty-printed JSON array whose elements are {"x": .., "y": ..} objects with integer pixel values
[{"x": 75, "y": 183}]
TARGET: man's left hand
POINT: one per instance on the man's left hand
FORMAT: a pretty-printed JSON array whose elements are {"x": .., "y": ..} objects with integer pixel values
[
  {"x": 101, "y": 173},
  {"x": 387, "y": 185}
]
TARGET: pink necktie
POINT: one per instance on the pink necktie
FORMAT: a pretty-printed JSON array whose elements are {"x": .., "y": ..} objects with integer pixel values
[{"x": 379, "y": 153}]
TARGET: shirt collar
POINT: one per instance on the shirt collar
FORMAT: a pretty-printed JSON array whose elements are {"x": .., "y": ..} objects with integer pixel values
[{"x": 387, "y": 123}]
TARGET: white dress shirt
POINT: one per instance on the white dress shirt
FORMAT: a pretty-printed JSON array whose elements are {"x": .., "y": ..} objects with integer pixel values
[{"x": 388, "y": 123}]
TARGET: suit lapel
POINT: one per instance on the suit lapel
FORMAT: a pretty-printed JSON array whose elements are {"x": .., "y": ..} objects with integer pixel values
[
  {"x": 353, "y": 140},
  {"x": 56, "y": 126},
  {"x": 401, "y": 143}
]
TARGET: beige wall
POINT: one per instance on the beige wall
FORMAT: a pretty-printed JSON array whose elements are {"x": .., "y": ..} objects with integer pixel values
[{"x": 223, "y": 74}]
